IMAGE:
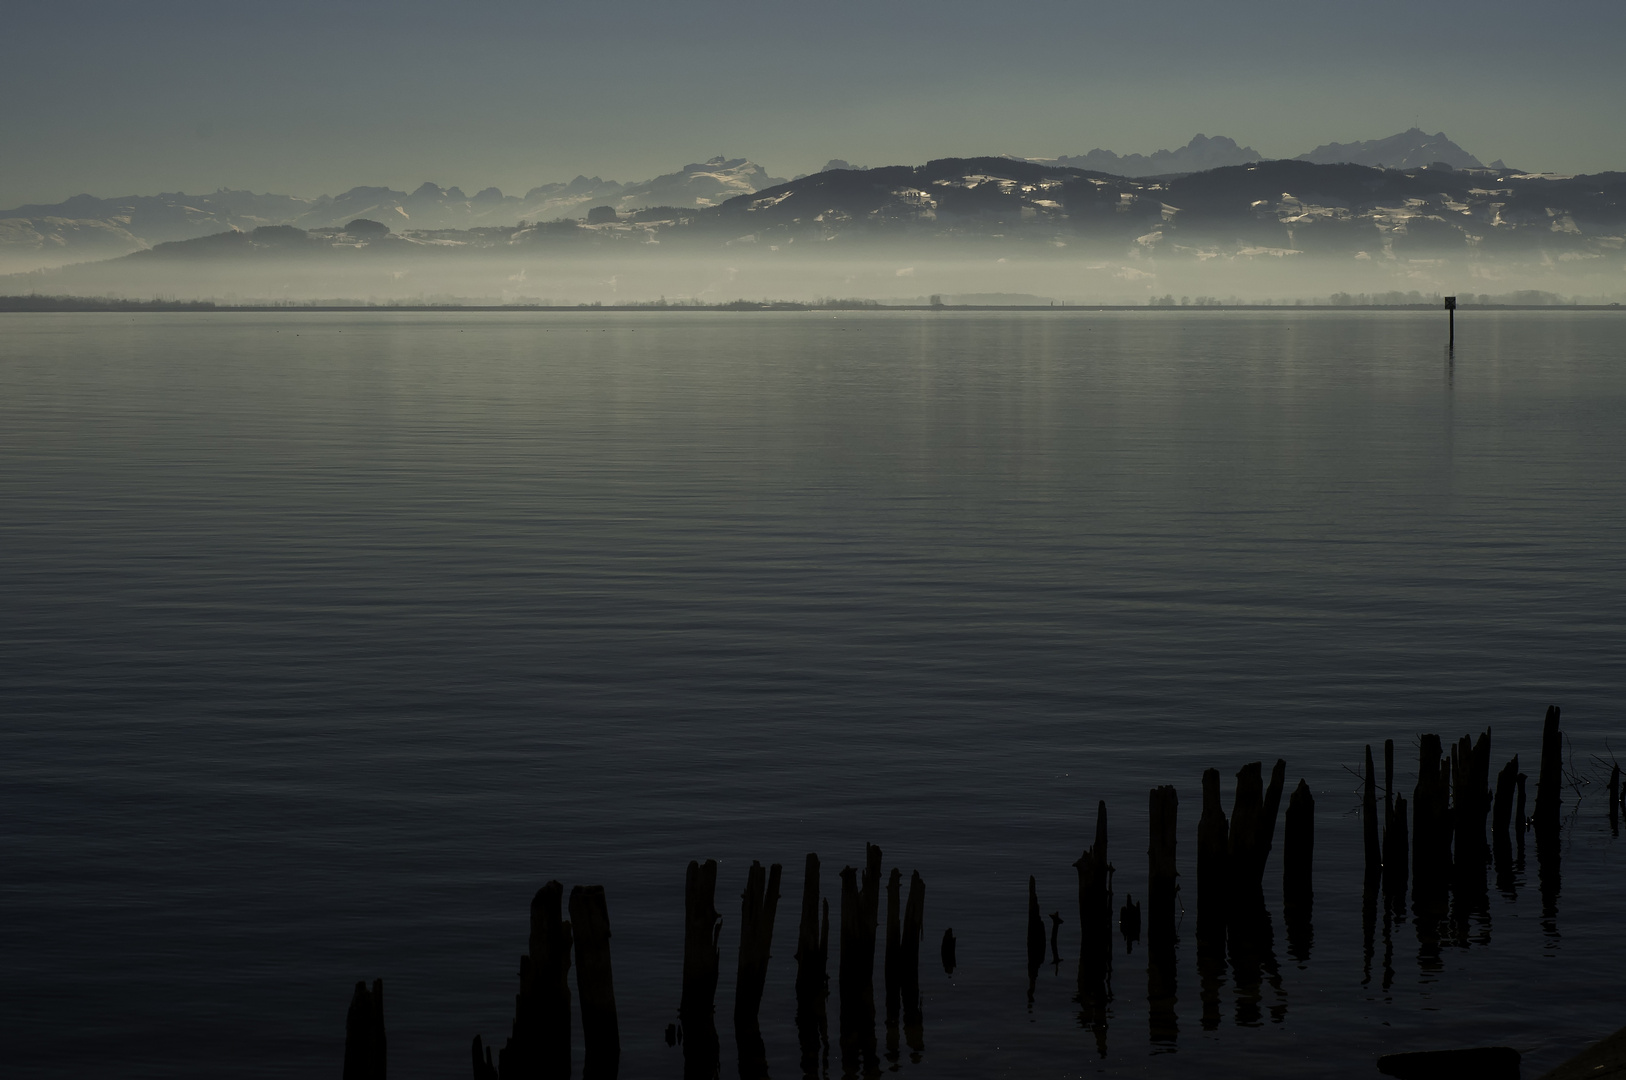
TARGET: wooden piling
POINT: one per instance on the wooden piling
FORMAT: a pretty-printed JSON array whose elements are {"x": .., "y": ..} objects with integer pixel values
[
  {"x": 1163, "y": 810},
  {"x": 1298, "y": 849},
  {"x": 1395, "y": 860},
  {"x": 1035, "y": 929},
  {"x": 1614, "y": 797},
  {"x": 1253, "y": 827},
  {"x": 1369, "y": 824},
  {"x": 914, "y": 929},
  {"x": 702, "y": 926},
  {"x": 1549, "y": 785},
  {"x": 894, "y": 945},
  {"x": 1519, "y": 820},
  {"x": 366, "y": 1051},
  {"x": 484, "y": 1069},
  {"x": 759, "y": 903},
  {"x": 812, "y": 945},
  {"x": 1430, "y": 818},
  {"x": 595, "y": 987},
  {"x": 1095, "y": 909},
  {"x": 1471, "y": 778},
  {"x": 1213, "y": 832}
]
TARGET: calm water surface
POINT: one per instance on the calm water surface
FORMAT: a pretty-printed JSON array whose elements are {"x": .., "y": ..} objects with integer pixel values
[{"x": 328, "y": 638}]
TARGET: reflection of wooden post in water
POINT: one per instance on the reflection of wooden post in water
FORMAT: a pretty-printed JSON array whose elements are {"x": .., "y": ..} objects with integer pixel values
[
  {"x": 601, "y": 1031},
  {"x": 1431, "y": 839},
  {"x": 366, "y": 1051}
]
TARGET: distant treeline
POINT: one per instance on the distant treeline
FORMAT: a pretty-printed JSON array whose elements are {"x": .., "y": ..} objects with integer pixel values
[{"x": 1524, "y": 299}]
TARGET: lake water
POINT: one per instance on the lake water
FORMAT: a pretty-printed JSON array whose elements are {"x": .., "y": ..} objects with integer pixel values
[{"x": 328, "y": 638}]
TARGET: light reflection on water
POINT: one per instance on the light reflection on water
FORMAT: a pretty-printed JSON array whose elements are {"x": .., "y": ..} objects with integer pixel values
[{"x": 329, "y": 638}]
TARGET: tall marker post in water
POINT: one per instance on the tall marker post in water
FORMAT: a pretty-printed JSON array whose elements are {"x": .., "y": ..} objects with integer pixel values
[{"x": 1451, "y": 309}]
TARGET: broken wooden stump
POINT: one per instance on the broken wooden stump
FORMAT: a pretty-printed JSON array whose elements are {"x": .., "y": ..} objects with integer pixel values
[
  {"x": 595, "y": 986},
  {"x": 1298, "y": 849},
  {"x": 859, "y": 911},
  {"x": 1549, "y": 785},
  {"x": 1253, "y": 827},
  {"x": 702, "y": 927},
  {"x": 1035, "y": 933},
  {"x": 1369, "y": 825},
  {"x": 1614, "y": 799},
  {"x": 1129, "y": 922},
  {"x": 539, "y": 1043},
  {"x": 1431, "y": 833},
  {"x": 914, "y": 929},
  {"x": 1470, "y": 776},
  {"x": 1095, "y": 913},
  {"x": 365, "y": 1046},
  {"x": 759, "y": 903},
  {"x": 860, "y": 905},
  {"x": 1163, "y": 807},
  {"x": 812, "y": 939},
  {"x": 1213, "y": 832},
  {"x": 1395, "y": 860},
  {"x": 483, "y": 1067},
  {"x": 894, "y": 944}
]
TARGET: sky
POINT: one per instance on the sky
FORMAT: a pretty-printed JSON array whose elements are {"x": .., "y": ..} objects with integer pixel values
[{"x": 116, "y": 98}]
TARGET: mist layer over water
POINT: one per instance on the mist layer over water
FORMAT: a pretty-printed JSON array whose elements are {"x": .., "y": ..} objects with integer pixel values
[{"x": 330, "y": 638}]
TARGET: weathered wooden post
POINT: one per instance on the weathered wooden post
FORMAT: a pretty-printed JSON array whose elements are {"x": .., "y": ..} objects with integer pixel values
[
  {"x": 1549, "y": 785},
  {"x": 702, "y": 926},
  {"x": 914, "y": 929},
  {"x": 1035, "y": 932},
  {"x": 1298, "y": 849},
  {"x": 366, "y": 1051},
  {"x": 1163, "y": 807},
  {"x": 812, "y": 938},
  {"x": 1095, "y": 911},
  {"x": 1213, "y": 843},
  {"x": 894, "y": 945},
  {"x": 1429, "y": 820},
  {"x": 758, "y": 906},
  {"x": 1395, "y": 860},
  {"x": 1369, "y": 824},
  {"x": 484, "y": 1069},
  {"x": 601, "y": 1031},
  {"x": 1451, "y": 314},
  {"x": 1614, "y": 798}
]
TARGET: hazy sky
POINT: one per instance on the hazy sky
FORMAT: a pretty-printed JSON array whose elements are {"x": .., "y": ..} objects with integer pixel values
[{"x": 136, "y": 97}]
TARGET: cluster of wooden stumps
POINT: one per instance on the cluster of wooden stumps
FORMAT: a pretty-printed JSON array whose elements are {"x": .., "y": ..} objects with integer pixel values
[
  {"x": 1433, "y": 851},
  {"x": 1435, "y": 843},
  {"x": 539, "y": 1047}
]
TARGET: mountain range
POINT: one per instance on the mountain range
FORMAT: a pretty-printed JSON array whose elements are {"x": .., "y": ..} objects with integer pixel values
[{"x": 85, "y": 227}]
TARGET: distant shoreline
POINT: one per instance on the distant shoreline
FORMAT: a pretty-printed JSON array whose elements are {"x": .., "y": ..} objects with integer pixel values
[{"x": 37, "y": 304}]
